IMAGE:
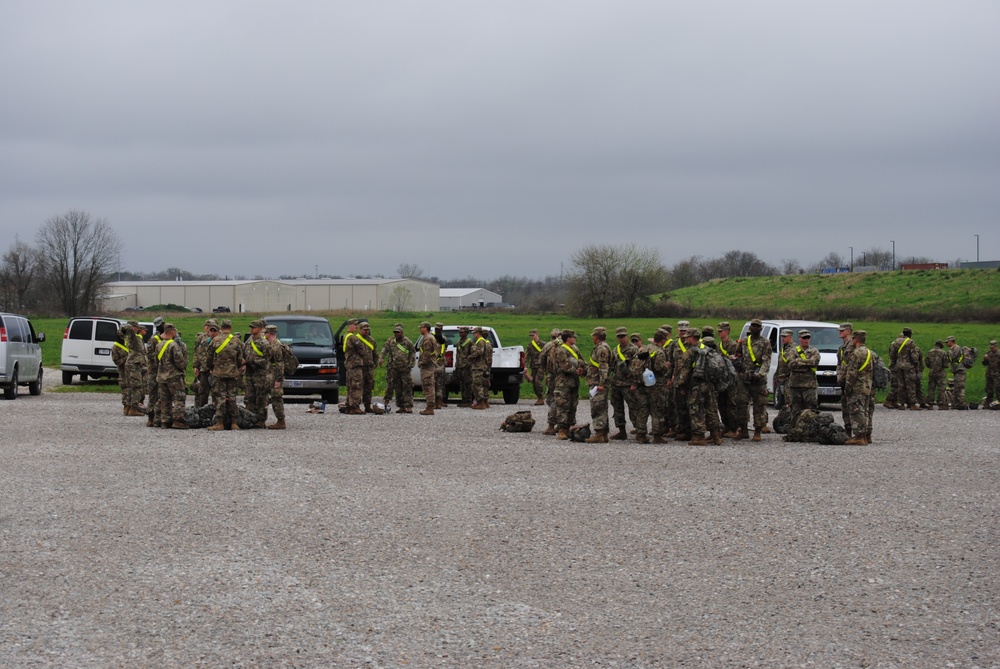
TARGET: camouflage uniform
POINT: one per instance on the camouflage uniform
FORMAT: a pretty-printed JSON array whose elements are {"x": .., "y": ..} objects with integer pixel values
[
  {"x": 400, "y": 356},
  {"x": 275, "y": 356},
  {"x": 427, "y": 362},
  {"x": 440, "y": 374},
  {"x": 904, "y": 362},
  {"x": 368, "y": 361},
  {"x": 958, "y": 372},
  {"x": 682, "y": 416},
  {"x": 991, "y": 360},
  {"x": 843, "y": 354},
  {"x": 463, "y": 367},
  {"x": 755, "y": 353},
  {"x": 700, "y": 394},
  {"x": 858, "y": 389},
  {"x": 226, "y": 364},
  {"x": 532, "y": 361},
  {"x": 781, "y": 371},
  {"x": 355, "y": 351},
  {"x": 171, "y": 367},
  {"x": 568, "y": 365},
  {"x": 550, "y": 378},
  {"x": 598, "y": 370},
  {"x": 734, "y": 401},
  {"x": 135, "y": 367},
  {"x": 203, "y": 380},
  {"x": 937, "y": 361},
  {"x": 802, "y": 383},
  {"x": 258, "y": 379},
  {"x": 153, "y": 415},
  {"x": 480, "y": 358},
  {"x": 669, "y": 410},
  {"x": 622, "y": 384},
  {"x": 660, "y": 393},
  {"x": 641, "y": 393},
  {"x": 119, "y": 353}
]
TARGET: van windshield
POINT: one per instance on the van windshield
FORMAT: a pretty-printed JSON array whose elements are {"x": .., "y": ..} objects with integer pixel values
[
  {"x": 825, "y": 339},
  {"x": 317, "y": 333}
]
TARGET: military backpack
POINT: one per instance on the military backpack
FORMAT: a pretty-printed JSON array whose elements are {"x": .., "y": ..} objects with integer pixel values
[
  {"x": 880, "y": 373},
  {"x": 291, "y": 363},
  {"x": 969, "y": 355},
  {"x": 521, "y": 421},
  {"x": 712, "y": 366}
]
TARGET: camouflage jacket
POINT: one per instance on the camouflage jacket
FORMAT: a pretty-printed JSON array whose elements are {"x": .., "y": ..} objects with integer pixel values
[
  {"x": 802, "y": 363},
  {"x": 481, "y": 354},
  {"x": 622, "y": 371},
  {"x": 858, "y": 371},
  {"x": 533, "y": 354},
  {"x": 991, "y": 360},
  {"x": 676, "y": 351},
  {"x": 202, "y": 342},
  {"x": 355, "y": 351},
  {"x": 399, "y": 355},
  {"x": 274, "y": 355},
  {"x": 781, "y": 371},
  {"x": 843, "y": 353},
  {"x": 937, "y": 360},
  {"x": 567, "y": 364},
  {"x": 545, "y": 357},
  {"x": 369, "y": 358},
  {"x": 755, "y": 354},
  {"x": 902, "y": 354},
  {"x": 225, "y": 357},
  {"x": 428, "y": 352},
  {"x": 255, "y": 355},
  {"x": 136, "y": 349},
  {"x": 171, "y": 361},
  {"x": 599, "y": 365},
  {"x": 660, "y": 363},
  {"x": 152, "y": 362},
  {"x": 462, "y": 349}
]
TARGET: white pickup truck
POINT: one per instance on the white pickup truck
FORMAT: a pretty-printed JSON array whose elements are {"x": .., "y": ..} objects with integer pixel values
[{"x": 507, "y": 371}]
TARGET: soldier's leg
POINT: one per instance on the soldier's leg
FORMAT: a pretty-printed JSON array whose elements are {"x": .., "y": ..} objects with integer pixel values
[
  {"x": 959, "y": 392},
  {"x": 758, "y": 394},
  {"x": 439, "y": 386},
  {"x": 178, "y": 399},
  {"x": 573, "y": 396},
  {"x": 153, "y": 399},
  {"x": 561, "y": 400},
  {"x": 355, "y": 388},
  {"x": 277, "y": 398},
  {"x": 683, "y": 413},
  {"x": 390, "y": 385},
  {"x": 641, "y": 417},
  {"x": 669, "y": 413},
  {"x": 713, "y": 421},
  {"x": 657, "y": 406},
  {"x": 536, "y": 384},
  {"x": 739, "y": 407},
  {"x": 617, "y": 399},
  {"x": 845, "y": 412},
  {"x": 696, "y": 411},
  {"x": 164, "y": 411},
  {"x": 599, "y": 410}
]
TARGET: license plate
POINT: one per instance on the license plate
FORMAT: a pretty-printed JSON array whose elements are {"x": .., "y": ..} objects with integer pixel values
[
  {"x": 828, "y": 391},
  {"x": 294, "y": 384},
  {"x": 102, "y": 351}
]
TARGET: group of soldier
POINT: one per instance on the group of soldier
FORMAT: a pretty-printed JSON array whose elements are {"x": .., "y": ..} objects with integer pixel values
[
  {"x": 472, "y": 360},
  {"x": 155, "y": 371}
]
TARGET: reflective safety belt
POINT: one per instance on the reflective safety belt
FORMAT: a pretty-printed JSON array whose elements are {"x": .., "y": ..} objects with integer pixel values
[
  {"x": 535, "y": 344},
  {"x": 620, "y": 354},
  {"x": 753, "y": 358},
  {"x": 571, "y": 351},
  {"x": 163, "y": 349},
  {"x": 253, "y": 344},
  {"x": 122, "y": 347},
  {"x": 224, "y": 344},
  {"x": 803, "y": 356},
  {"x": 905, "y": 342},
  {"x": 867, "y": 360}
]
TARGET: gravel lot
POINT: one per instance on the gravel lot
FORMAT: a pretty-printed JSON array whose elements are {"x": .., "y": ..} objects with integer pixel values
[{"x": 413, "y": 541}]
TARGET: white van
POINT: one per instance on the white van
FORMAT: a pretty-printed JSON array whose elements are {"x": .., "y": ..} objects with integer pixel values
[
  {"x": 825, "y": 337},
  {"x": 20, "y": 355},
  {"x": 86, "y": 348}
]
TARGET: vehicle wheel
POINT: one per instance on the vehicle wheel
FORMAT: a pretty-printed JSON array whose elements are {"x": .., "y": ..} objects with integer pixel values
[
  {"x": 511, "y": 394},
  {"x": 779, "y": 400},
  {"x": 10, "y": 392},
  {"x": 35, "y": 387},
  {"x": 331, "y": 397},
  {"x": 67, "y": 378}
]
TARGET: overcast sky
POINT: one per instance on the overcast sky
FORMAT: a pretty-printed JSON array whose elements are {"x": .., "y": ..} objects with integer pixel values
[{"x": 243, "y": 137}]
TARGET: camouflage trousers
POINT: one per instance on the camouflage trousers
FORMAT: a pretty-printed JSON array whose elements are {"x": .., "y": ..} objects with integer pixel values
[
  {"x": 857, "y": 411},
  {"x": 463, "y": 378},
  {"x": 202, "y": 389},
  {"x": 258, "y": 392},
  {"x": 599, "y": 410},
  {"x": 658, "y": 396},
  {"x": 170, "y": 401},
  {"x": 225, "y": 398},
  {"x": 937, "y": 384},
  {"x": 401, "y": 387},
  {"x": 904, "y": 382},
  {"x": 277, "y": 397},
  {"x": 355, "y": 387},
  {"x": 703, "y": 408},
  {"x": 390, "y": 384},
  {"x": 427, "y": 375},
  {"x": 481, "y": 385},
  {"x": 134, "y": 381},
  {"x": 537, "y": 383},
  {"x": 566, "y": 397},
  {"x": 368, "y": 386},
  {"x": 550, "y": 394},
  {"x": 958, "y": 390},
  {"x": 640, "y": 417},
  {"x": 153, "y": 398},
  {"x": 757, "y": 391},
  {"x": 440, "y": 388},
  {"x": 799, "y": 399},
  {"x": 682, "y": 416},
  {"x": 734, "y": 405},
  {"x": 123, "y": 385},
  {"x": 622, "y": 397},
  {"x": 992, "y": 388}
]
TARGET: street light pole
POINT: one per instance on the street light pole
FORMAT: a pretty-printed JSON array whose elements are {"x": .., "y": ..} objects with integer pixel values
[
  {"x": 852, "y": 257},
  {"x": 894, "y": 254},
  {"x": 977, "y": 249}
]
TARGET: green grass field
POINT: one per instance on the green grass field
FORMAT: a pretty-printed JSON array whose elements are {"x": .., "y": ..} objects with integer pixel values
[{"x": 513, "y": 330}]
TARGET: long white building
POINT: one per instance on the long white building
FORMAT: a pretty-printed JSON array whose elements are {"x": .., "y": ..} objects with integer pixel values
[{"x": 259, "y": 296}]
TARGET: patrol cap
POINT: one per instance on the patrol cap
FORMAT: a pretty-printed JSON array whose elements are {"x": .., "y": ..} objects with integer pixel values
[
  {"x": 158, "y": 321},
  {"x": 226, "y": 324},
  {"x": 134, "y": 324},
  {"x": 397, "y": 328},
  {"x": 621, "y": 332},
  {"x": 566, "y": 334},
  {"x": 211, "y": 321},
  {"x": 724, "y": 325},
  {"x": 365, "y": 325},
  {"x": 805, "y": 334},
  {"x": 907, "y": 332},
  {"x": 756, "y": 321},
  {"x": 530, "y": 332},
  {"x": 993, "y": 342},
  {"x": 693, "y": 332},
  {"x": 860, "y": 335},
  {"x": 425, "y": 324},
  {"x": 660, "y": 335},
  {"x": 949, "y": 338},
  {"x": 478, "y": 329},
  {"x": 635, "y": 337},
  {"x": 708, "y": 340},
  {"x": 708, "y": 331},
  {"x": 439, "y": 324},
  {"x": 667, "y": 328},
  {"x": 273, "y": 329},
  {"x": 846, "y": 326},
  {"x": 463, "y": 328},
  {"x": 352, "y": 321},
  {"x": 786, "y": 333},
  {"x": 682, "y": 325},
  {"x": 169, "y": 326},
  {"x": 258, "y": 323},
  {"x": 214, "y": 326},
  {"x": 555, "y": 332},
  {"x": 600, "y": 331},
  {"x": 939, "y": 343}
]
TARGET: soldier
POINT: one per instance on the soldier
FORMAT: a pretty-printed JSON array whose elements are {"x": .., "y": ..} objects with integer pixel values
[
  {"x": 700, "y": 394},
  {"x": 135, "y": 367},
  {"x": 802, "y": 383},
  {"x": 399, "y": 357},
  {"x": 598, "y": 370},
  {"x": 427, "y": 362},
  {"x": 369, "y": 359},
  {"x": 153, "y": 416},
  {"x": 639, "y": 390},
  {"x": 937, "y": 361},
  {"x": 785, "y": 348},
  {"x": 669, "y": 411},
  {"x": 956, "y": 355},
  {"x": 904, "y": 361},
  {"x": 657, "y": 362},
  {"x": 532, "y": 363},
  {"x": 258, "y": 376},
  {"x": 202, "y": 379},
  {"x": 119, "y": 353},
  {"x": 568, "y": 367},
  {"x": 172, "y": 365},
  {"x": 991, "y": 360},
  {"x": 550, "y": 378},
  {"x": 846, "y": 334},
  {"x": 755, "y": 352},
  {"x": 480, "y": 356},
  {"x": 275, "y": 358},
  {"x": 354, "y": 353},
  {"x": 858, "y": 389},
  {"x": 734, "y": 401},
  {"x": 622, "y": 384},
  {"x": 463, "y": 367},
  {"x": 682, "y": 416},
  {"x": 226, "y": 364},
  {"x": 442, "y": 366}
]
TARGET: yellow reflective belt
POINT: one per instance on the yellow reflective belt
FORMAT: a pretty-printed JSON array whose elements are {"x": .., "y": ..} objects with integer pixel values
[
  {"x": 366, "y": 343},
  {"x": 159, "y": 356},
  {"x": 620, "y": 354},
  {"x": 681, "y": 344},
  {"x": 753, "y": 358},
  {"x": 900, "y": 349},
  {"x": 254, "y": 345},
  {"x": 594, "y": 362},
  {"x": 571, "y": 351},
  {"x": 867, "y": 360},
  {"x": 535, "y": 344},
  {"x": 122, "y": 347},
  {"x": 224, "y": 344},
  {"x": 723, "y": 348},
  {"x": 803, "y": 356},
  {"x": 669, "y": 342}
]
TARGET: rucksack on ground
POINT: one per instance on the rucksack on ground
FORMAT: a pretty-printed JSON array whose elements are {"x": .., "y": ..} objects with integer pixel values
[
  {"x": 291, "y": 363},
  {"x": 520, "y": 421},
  {"x": 579, "y": 433}
]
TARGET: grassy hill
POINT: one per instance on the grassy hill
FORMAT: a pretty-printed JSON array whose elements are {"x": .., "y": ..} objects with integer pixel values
[{"x": 928, "y": 296}]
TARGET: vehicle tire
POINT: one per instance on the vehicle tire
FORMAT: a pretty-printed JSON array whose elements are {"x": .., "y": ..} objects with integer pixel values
[
  {"x": 35, "y": 387},
  {"x": 10, "y": 392},
  {"x": 67, "y": 378},
  {"x": 331, "y": 397},
  {"x": 511, "y": 394},
  {"x": 779, "y": 400}
]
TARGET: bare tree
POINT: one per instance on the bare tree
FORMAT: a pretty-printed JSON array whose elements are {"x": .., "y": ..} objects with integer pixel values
[
  {"x": 832, "y": 259},
  {"x": 641, "y": 273},
  {"x": 791, "y": 266},
  {"x": 686, "y": 273},
  {"x": 610, "y": 281},
  {"x": 410, "y": 271},
  {"x": 17, "y": 277},
  {"x": 399, "y": 299},
  {"x": 78, "y": 254}
]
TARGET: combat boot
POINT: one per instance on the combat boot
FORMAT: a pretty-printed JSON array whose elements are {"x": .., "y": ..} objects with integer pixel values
[
  {"x": 658, "y": 439},
  {"x": 356, "y": 411},
  {"x": 741, "y": 434},
  {"x": 889, "y": 405},
  {"x": 429, "y": 411},
  {"x": 124, "y": 410},
  {"x": 217, "y": 426},
  {"x": 599, "y": 437},
  {"x": 765, "y": 430},
  {"x": 915, "y": 407},
  {"x": 855, "y": 441},
  {"x": 261, "y": 424},
  {"x": 539, "y": 402},
  {"x": 563, "y": 433},
  {"x": 756, "y": 434},
  {"x": 620, "y": 435},
  {"x": 550, "y": 430},
  {"x": 698, "y": 440},
  {"x": 277, "y": 425},
  {"x": 670, "y": 434},
  {"x": 731, "y": 434},
  {"x": 180, "y": 425},
  {"x": 642, "y": 439},
  {"x": 149, "y": 420},
  {"x": 681, "y": 436},
  {"x": 716, "y": 438},
  {"x": 233, "y": 426}
]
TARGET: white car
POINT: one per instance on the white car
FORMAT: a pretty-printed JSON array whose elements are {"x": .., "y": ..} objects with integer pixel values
[{"x": 825, "y": 337}]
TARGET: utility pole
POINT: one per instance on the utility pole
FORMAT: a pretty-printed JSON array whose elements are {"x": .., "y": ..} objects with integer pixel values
[
  {"x": 894, "y": 254},
  {"x": 977, "y": 249},
  {"x": 852, "y": 258}
]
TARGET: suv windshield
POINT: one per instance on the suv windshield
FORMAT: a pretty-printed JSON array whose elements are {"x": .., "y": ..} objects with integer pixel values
[{"x": 304, "y": 333}]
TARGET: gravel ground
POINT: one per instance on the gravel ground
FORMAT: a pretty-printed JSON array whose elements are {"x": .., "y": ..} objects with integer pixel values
[{"x": 413, "y": 541}]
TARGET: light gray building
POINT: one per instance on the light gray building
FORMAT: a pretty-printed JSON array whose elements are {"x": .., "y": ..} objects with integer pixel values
[
  {"x": 454, "y": 299},
  {"x": 259, "y": 296}
]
